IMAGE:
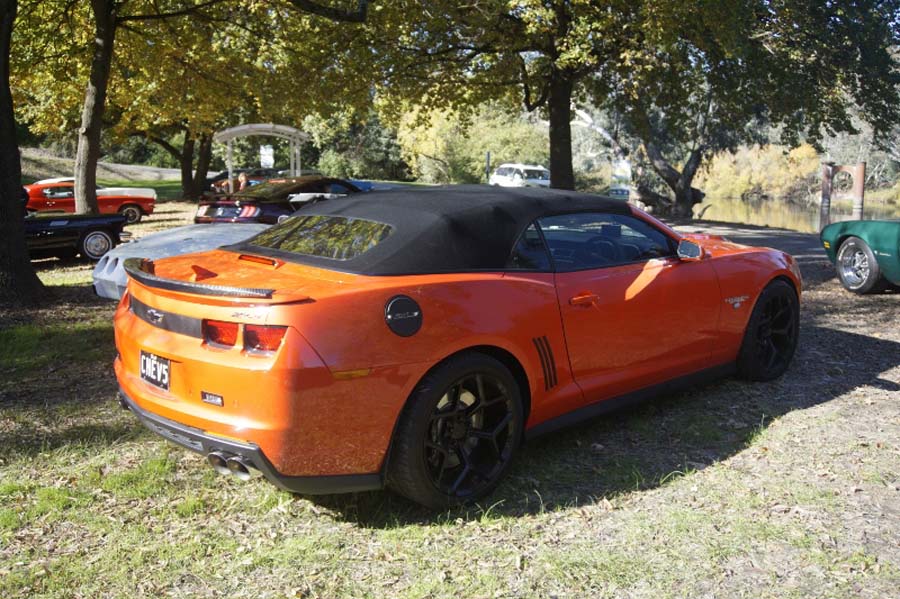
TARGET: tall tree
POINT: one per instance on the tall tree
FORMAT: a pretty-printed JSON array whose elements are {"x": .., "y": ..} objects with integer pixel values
[
  {"x": 18, "y": 282},
  {"x": 699, "y": 78},
  {"x": 460, "y": 54},
  {"x": 108, "y": 18}
]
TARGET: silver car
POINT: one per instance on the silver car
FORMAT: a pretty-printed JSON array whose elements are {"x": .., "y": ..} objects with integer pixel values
[{"x": 109, "y": 274}]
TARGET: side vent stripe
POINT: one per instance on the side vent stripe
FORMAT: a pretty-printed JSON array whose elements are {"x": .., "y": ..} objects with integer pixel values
[
  {"x": 552, "y": 362},
  {"x": 548, "y": 363}
]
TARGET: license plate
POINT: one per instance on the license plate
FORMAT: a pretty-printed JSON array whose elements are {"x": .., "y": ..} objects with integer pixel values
[{"x": 155, "y": 370}]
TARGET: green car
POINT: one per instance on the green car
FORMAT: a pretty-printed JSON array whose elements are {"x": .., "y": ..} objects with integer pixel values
[{"x": 865, "y": 253}]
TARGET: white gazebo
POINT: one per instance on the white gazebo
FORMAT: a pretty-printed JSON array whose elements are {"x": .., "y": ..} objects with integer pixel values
[{"x": 294, "y": 136}]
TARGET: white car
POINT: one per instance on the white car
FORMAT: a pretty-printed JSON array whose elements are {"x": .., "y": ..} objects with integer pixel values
[
  {"x": 109, "y": 273},
  {"x": 520, "y": 175}
]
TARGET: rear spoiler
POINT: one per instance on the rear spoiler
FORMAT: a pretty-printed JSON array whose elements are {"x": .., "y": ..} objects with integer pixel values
[{"x": 142, "y": 271}]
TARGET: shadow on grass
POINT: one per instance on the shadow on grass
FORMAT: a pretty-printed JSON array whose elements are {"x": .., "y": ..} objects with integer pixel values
[
  {"x": 28, "y": 442},
  {"x": 647, "y": 446}
]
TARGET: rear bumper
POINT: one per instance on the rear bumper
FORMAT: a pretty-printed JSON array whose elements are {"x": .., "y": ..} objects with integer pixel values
[{"x": 196, "y": 440}]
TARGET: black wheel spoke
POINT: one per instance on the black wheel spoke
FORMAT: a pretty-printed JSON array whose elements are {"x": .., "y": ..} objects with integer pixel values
[{"x": 468, "y": 444}]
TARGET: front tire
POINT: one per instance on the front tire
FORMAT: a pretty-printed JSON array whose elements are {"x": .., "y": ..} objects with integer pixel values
[
  {"x": 458, "y": 433},
  {"x": 857, "y": 268},
  {"x": 770, "y": 338},
  {"x": 131, "y": 213},
  {"x": 94, "y": 244}
]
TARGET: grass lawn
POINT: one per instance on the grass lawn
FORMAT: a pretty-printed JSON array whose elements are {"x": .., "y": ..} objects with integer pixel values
[{"x": 781, "y": 489}]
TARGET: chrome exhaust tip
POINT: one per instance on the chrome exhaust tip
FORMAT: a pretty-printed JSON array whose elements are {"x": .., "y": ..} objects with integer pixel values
[
  {"x": 219, "y": 462},
  {"x": 239, "y": 467}
]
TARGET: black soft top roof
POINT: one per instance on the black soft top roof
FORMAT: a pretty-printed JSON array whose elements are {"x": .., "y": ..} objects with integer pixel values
[{"x": 457, "y": 228}]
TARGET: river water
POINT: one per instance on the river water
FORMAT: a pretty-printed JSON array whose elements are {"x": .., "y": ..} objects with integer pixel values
[{"x": 783, "y": 215}]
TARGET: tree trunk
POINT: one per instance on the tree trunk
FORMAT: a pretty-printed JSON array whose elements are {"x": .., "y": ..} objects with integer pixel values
[
  {"x": 204, "y": 157},
  {"x": 680, "y": 183},
  {"x": 186, "y": 160},
  {"x": 193, "y": 183},
  {"x": 559, "y": 102},
  {"x": 19, "y": 285},
  {"x": 88, "y": 153}
]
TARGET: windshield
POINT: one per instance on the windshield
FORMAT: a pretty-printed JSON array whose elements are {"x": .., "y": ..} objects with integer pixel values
[
  {"x": 271, "y": 189},
  {"x": 332, "y": 237}
]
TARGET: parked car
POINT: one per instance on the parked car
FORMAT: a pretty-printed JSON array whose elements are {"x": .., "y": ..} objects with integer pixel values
[
  {"x": 267, "y": 202},
  {"x": 66, "y": 236},
  {"x": 415, "y": 341},
  {"x": 520, "y": 175},
  {"x": 222, "y": 175},
  {"x": 255, "y": 176},
  {"x": 58, "y": 195},
  {"x": 865, "y": 253},
  {"x": 109, "y": 273}
]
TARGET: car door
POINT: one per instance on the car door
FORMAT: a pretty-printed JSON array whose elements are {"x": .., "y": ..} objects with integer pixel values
[
  {"x": 60, "y": 197},
  {"x": 633, "y": 313}
]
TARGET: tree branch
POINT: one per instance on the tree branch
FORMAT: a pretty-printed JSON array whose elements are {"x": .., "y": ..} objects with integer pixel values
[
  {"x": 334, "y": 14},
  {"x": 168, "y": 15}
]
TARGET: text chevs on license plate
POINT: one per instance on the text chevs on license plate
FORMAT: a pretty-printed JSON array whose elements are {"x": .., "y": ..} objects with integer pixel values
[{"x": 155, "y": 370}]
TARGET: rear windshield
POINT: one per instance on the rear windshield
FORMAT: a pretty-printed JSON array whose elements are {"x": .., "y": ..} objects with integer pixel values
[{"x": 331, "y": 237}]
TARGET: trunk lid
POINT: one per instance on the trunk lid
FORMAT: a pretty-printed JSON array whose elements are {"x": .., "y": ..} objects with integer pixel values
[{"x": 218, "y": 275}]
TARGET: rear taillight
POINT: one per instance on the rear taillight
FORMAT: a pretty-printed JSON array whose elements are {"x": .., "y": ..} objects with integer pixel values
[
  {"x": 248, "y": 211},
  {"x": 220, "y": 333},
  {"x": 259, "y": 338}
]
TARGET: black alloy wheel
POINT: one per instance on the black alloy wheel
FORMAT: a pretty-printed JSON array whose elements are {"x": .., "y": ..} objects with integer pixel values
[
  {"x": 770, "y": 339},
  {"x": 458, "y": 434}
]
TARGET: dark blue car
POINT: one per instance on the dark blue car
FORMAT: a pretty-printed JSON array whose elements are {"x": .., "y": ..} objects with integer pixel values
[
  {"x": 67, "y": 235},
  {"x": 269, "y": 201}
]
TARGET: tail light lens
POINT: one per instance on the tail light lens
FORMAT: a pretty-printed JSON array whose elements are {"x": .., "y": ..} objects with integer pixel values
[
  {"x": 220, "y": 333},
  {"x": 248, "y": 211},
  {"x": 259, "y": 338}
]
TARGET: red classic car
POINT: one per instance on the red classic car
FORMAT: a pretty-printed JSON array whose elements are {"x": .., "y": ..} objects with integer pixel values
[{"x": 59, "y": 195}]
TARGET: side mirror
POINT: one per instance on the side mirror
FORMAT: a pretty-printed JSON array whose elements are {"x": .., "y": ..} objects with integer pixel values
[{"x": 689, "y": 251}]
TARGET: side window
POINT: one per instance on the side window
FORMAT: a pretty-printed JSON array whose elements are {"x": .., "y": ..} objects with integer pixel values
[
  {"x": 60, "y": 191},
  {"x": 529, "y": 253},
  {"x": 339, "y": 188},
  {"x": 597, "y": 240}
]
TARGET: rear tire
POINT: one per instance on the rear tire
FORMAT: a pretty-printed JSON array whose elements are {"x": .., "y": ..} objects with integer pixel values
[
  {"x": 770, "y": 338},
  {"x": 131, "y": 213},
  {"x": 95, "y": 244},
  {"x": 857, "y": 268},
  {"x": 458, "y": 433}
]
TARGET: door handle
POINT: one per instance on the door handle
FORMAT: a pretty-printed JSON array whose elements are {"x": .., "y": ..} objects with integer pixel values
[{"x": 585, "y": 299}]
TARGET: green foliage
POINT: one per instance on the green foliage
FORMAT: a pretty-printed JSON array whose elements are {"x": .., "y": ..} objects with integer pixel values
[
  {"x": 443, "y": 147},
  {"x": 763, "y": 171},
  {"x": 356, "y": 146}
]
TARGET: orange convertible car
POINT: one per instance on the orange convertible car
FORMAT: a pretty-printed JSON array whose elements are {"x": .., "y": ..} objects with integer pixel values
[{"x": 413, "y": 339}]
